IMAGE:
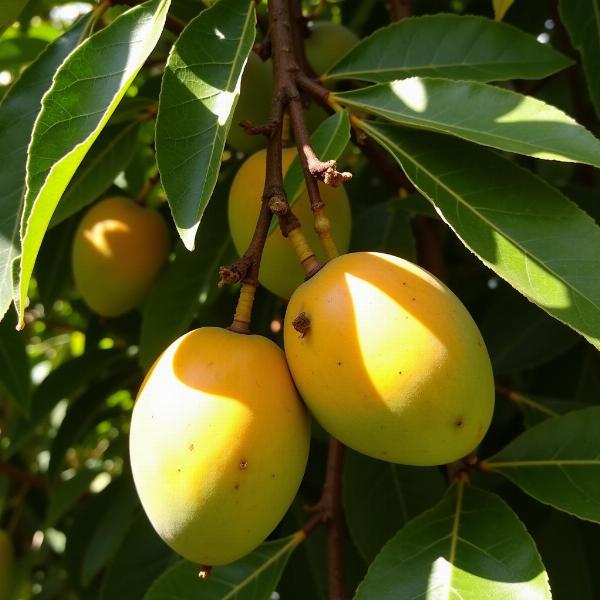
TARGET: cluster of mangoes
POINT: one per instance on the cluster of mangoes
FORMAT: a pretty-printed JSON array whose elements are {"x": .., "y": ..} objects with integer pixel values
[{"x": 383, "y": 355}]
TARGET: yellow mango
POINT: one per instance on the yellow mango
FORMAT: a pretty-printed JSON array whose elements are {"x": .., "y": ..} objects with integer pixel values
[
  {"x": 219, "y": 442},
  {"x": 280, "y": 269},
  {"x": 390, "y": 362},
  {"x": 118, "y": 251}
]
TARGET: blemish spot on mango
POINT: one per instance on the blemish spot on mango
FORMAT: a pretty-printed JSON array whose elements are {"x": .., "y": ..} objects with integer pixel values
[{"x": 243, "y": 464}]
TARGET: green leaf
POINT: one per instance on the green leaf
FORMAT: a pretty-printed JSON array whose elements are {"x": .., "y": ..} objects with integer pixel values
[
  {"x": 485, "y": 114},
  {"x": 381, "y": 497},
  {"x": 253, "y": 577},
  {"x": 187, "y": 283},
  {"x": 328, "y": 141},
  {"x": 109, "y": 156},
  {"x": 111, "y": 528},
  {"x": 66, "y": 381},
  {"x": 18, "y": 112},
  {"x": 582, "y": 20},
  {"x": 85, "y": 91},
  {"x": 469, "y": 546},
  {"x": 557, "y": 462},
  {"x": 519, "y": 335},
  {"x": 63, "y": 494},
  {"x": 199, "y": 92},
  {"x": 140, "y": 559},
  {"x": 14, "y": 365},
  {"x": 18, "y": 51},
  {"x": 385, "y": 227},
  {"x": 10, "y": 12},
  {"x": 519, "y": 226},
  {"x": 536, "y": 409},
  {"x": 443, "y": 45}
]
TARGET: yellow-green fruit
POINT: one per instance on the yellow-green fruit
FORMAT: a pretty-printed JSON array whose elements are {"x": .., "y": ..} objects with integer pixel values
[
  {"x": 219, "y": 442},
  {"x": 326, "y": 44},
  {"x": 253, "y": 105},
  {"x": 6, "y": 565},
  {"x": 118, "y": 251},
  {"x": 392, "y": 363},
  {"x": 280, "y": 269}
]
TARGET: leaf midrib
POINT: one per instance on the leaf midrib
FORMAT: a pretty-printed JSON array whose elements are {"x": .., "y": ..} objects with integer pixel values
[{"x": 478, "y": 214}]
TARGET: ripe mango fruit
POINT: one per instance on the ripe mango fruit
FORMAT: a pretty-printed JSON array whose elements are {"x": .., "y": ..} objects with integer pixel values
[
  {"x": 219, "y": 442},
  {"x": 390, "y": 361},
  {"x": 280, "y": 269},
  {"x": 118, "y": 251}
]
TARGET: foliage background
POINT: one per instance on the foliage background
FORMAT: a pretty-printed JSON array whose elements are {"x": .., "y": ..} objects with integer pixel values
[{"x": 68, "y": 380}]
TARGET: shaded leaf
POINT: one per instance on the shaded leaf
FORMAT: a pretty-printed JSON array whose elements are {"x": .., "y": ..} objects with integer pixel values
[
  {"x": 485, "y": 114},
  {"x": 14, "y": 365},
  {"x": 557, "y": 462},
  {"x": 96, "y": 76},
  {"x": 519, "y": 335},
  {"x": 188, "y": 282},
  {"x": 63, "y": 494},
  {"x": 18, "y": 112},
  {"x": 582, "y": 21},
  {"x": 385, "y": 227},
  {"x": 140, "y": 559},
  {"x": 66, "y": 381},
  {"x": 253, "y": 577},
  {"x": 18, "y": 51},
  {"x": 518, "y": 225},
  {"x": 109, "y": 155},
  {"x": 381, "y": 497},
  {"x": 444, "y": 45},
  {"x": 199, "y": 91},
  {"x": 10, "y": 12},
  {"x": 469, "y": 546}
]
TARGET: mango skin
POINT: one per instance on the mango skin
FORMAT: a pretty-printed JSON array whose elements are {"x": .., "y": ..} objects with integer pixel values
[
  {"x": 254, "y": 104},
  {"x": 326, "y": 44},
  {"x": 280, "y": 270},
  {"x": 118, "y": 251},
  {"x": 392, "y": 365},
  {"x": 219, "y": 442},
  {"x": 6, "y": 565}
]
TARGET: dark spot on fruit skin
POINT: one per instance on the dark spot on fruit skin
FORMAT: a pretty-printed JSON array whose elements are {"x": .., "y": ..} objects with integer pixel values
[
  {"x": 399, "y": 372},
  {"x": 191, "y": 447},
  {"x": 236, "y": 486},
  {"x": 413, "y": 299},
  {"x": 272, "y": 475},
  {"x": 459, "y": 423},
  {"x": 243, "y": 465},
  {"x": 339, "y": 364},
  {"x": 179, "y": 470}
]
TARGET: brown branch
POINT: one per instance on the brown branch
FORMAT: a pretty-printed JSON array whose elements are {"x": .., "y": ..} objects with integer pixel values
[
  {"x": 23, "y": 476},
  {"x": 399, "y": 9}
]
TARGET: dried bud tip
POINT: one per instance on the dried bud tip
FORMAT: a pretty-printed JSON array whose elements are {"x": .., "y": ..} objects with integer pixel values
[
  {"x": 204, "y": 572},
  {"x": 301, "y": 324},
  {"x": 278, "y": 205}
]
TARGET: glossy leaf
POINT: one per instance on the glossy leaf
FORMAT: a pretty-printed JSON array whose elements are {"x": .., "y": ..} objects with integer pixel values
[
  {"x": 457, "y": 47},
  {"x": 328, "y": 141},
  {"x": 469, "y": 546},
  {"x": 536, "y": 409},
  {"x": 109, "y": 156},
  {"x": 485, "y": 114},
  {"x": 582, "y": 21},
  {"x": 199, "y": 92},
  {"x": 64, "y": 494},
  {"x": 18, "y": 112},
  {"x": 14, "y": 365},
  {"x": 253, "y": 577},
  {"x": 96, "y": 77},
  {"x": 518, "y": 225},
  {"x": 557, "y": 462},
  {"x": 381, "y": 497}
]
